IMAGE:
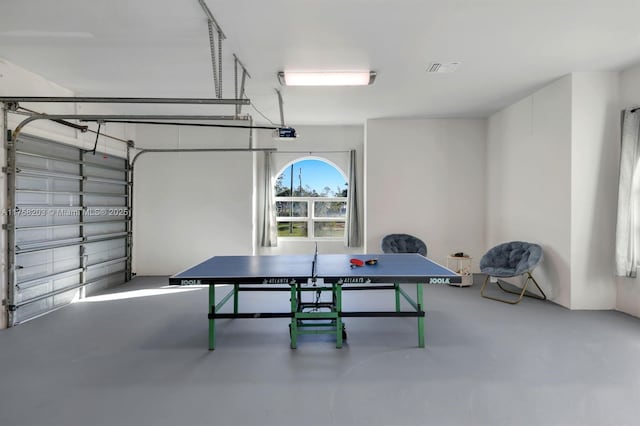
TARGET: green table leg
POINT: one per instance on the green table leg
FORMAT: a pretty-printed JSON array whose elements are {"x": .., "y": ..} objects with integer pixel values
[
  {"x": 420, "y": 304},
  {"x": 236, "y": 293},
  {"x": 337, "y": 290},
  {"x": 397, "y": 292},
  {"x": 293, "y": 326},
  {"x": 212, "y": 322}
]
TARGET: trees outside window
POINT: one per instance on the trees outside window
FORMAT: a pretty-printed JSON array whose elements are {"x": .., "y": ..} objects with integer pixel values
[{"x": 311, "y": 200}]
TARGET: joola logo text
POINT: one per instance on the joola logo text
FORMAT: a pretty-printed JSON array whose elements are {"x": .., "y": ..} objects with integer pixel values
[
  {"x": 190, "y": 282},
  {"x": 439, "y": 281}
]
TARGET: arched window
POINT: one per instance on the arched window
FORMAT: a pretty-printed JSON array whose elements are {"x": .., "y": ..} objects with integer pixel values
[{"x": 311, "y": 200}]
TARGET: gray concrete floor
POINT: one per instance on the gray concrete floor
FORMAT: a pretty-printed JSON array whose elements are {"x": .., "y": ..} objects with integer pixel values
[{"x": 144, "y": 361}]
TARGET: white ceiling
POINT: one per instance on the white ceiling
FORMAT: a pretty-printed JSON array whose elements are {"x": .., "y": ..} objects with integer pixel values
[{"x": 507, "y": 49}]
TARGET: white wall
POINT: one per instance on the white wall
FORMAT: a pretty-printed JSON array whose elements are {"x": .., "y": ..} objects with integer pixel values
[
  {"x": 552, "y": 176},
  {"x": 191, "y": 206},
  {"x": 325, "y": 142},
  {"x": 628, "y": 289},
  {"x": 426, "y": 177},
  {"x": 594, "y": 184},
  {"x": 529, "y": 181},
  {"x": 206, "y": 204}
]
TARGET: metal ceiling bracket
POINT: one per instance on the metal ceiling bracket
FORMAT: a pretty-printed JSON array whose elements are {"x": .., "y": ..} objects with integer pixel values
[
  {"x": 210, "y": 17},
  {"x": 216, "y": 57},
  {"x": 243, "y": 78},
  {"x": 281, "y": 107}
]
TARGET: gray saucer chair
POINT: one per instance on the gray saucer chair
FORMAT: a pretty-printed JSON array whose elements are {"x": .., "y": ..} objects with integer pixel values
[
  {"x": 512, "y": 259},
  {"x": 403, "y": 243}
]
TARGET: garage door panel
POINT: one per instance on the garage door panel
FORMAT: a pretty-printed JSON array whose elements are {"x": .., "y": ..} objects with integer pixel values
[
  {"x": 70, "y": 224},
  {"x": 105, "y": 228},
  {"x": 41, "y": 267},
  {"x": 105, "y": 251},
  {"x": 43, "y": 306}
]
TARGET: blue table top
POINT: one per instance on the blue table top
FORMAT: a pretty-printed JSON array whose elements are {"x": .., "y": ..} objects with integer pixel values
[{"x": 285, "y": 269}]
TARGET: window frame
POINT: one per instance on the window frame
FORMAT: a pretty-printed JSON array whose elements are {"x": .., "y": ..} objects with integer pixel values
[{"x": 311, "y": 219}]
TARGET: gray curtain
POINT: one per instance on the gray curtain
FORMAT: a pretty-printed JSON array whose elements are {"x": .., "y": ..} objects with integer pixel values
[
  {"x": 352, "y": 236},
  {"x": 628, "y": 196},
  {"x": 269, "y": 236}
]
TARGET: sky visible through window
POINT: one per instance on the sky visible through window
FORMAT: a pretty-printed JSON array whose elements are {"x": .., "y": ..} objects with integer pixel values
[{"x": 316, "y": 174}]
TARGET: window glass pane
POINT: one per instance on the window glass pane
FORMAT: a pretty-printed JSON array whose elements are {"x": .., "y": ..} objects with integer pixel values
[
  {"x": 330, "y": 208},
  {"x": 328, "y": 229},
  {"x": 292, "y": 229},
  {"x": 311, "y": 178},
  {"x": 291, "y": 209}
]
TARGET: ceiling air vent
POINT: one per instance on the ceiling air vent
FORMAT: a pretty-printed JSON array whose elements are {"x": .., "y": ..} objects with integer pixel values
[{"x": 442, "y": 68}]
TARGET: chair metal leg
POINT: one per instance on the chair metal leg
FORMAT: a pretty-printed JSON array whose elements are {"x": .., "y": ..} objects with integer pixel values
[{"x": 521, "y": 294}]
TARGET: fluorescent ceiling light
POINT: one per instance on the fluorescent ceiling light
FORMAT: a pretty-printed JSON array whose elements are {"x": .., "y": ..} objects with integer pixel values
[{"x": 329, "y": 78}]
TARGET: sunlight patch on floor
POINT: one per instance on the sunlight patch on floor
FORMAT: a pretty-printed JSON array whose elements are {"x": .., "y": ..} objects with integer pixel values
[{"x": 162, "y": 291}]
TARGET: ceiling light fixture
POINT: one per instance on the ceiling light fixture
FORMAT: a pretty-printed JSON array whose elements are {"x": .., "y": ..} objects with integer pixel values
[{"x": 326, "y": 78}]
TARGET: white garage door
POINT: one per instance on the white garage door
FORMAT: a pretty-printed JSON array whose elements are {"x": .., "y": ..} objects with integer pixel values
[{"x": 68, "y": 227}]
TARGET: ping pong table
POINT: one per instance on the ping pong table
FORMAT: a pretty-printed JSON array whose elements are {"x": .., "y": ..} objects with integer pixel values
[{"x": 302, "y": 276}]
